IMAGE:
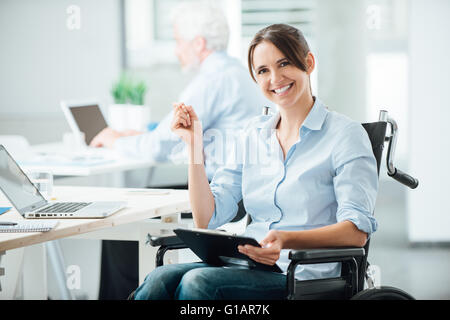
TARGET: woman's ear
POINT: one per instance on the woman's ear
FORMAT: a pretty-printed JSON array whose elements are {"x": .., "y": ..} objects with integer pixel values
[{"x": 310, "y": 62}]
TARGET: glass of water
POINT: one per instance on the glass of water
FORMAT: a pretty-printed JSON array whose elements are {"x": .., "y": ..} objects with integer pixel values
[{"x": 43, "y": 181}]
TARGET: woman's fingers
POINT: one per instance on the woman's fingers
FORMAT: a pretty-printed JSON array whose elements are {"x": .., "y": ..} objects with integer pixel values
[
  {"x": 264, "y": 260},
  {"x": 176, "y": 105},
  {"x": 181, "y": 118},
  {"x": 192, "y": 113},
  {"x": 187, "y": 109},
  {"x": 182, "y": 112},
  {"x": 185, "y": 113},
  {"x": 263, "y": 255}
]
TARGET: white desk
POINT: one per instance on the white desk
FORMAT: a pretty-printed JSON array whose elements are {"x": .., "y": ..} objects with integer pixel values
[
  {"x": 116, "y": 164},
  {"x": 130, "y": 223},
  {"x": 122, "y": 172}
]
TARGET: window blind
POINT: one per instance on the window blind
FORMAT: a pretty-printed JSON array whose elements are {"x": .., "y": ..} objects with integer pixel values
[{"x": 257, "y": 14}]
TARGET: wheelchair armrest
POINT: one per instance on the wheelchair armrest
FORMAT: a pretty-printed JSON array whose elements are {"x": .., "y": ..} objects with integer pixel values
[
  {"x": 323, "y": 255},
  {"x": 170, "y": 242},
  {"x": 307, "y": 256},
  {"x": 164, "y": 243}
]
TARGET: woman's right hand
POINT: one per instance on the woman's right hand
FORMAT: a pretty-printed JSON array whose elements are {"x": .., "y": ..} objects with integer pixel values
[{"x": 186, "y": 125}]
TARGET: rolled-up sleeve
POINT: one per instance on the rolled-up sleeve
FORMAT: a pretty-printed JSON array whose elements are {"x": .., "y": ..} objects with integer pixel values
[
  {"x": 356, "y": 179},
  {"x": 226, "y": 187}
]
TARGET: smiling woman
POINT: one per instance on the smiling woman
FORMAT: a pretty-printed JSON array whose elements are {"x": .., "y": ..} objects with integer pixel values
[
  {"x": 290, "y": 41},
  {"x": 319, "y": 192},
  {"x": 280, "y": 61},
  {"x": 280, "y": 80}
]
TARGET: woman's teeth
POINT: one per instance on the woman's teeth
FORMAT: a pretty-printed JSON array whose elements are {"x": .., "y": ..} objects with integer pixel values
[{"x": 281, "y": 90}]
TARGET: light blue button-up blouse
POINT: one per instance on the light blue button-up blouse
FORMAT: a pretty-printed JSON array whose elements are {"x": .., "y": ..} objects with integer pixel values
[{"x": 329, "y": 175}]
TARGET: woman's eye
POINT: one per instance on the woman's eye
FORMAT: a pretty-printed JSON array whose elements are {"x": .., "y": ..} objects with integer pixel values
[
  {"x": 284, "y": 63},
  {"x": 261, "y": 71}
]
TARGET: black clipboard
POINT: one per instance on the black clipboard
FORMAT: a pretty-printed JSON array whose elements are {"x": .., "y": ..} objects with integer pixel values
[{"x": 220, "y": 248}]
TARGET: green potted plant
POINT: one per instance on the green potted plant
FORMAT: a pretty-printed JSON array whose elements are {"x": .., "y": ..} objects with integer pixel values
[{"x": 129, "y": 111}]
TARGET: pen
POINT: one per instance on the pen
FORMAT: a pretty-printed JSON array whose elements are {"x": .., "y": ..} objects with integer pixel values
[{"x": 7, "y": 223}]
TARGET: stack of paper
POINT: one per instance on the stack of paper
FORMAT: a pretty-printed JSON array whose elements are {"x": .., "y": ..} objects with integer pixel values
[{"x": 29, "y": 226}]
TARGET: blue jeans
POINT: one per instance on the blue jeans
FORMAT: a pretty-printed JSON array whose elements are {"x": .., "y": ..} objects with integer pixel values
[{"x": 201, "y": 281}]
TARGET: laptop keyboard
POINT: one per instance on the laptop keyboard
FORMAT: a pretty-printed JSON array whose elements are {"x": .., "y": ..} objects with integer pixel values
[{"x": 64, "y": 207}]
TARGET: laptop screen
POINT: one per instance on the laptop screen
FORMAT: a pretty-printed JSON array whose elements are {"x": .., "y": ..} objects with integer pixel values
[
  {"x": 90, "y": 120},
  {"x": 16, "y": 186}
]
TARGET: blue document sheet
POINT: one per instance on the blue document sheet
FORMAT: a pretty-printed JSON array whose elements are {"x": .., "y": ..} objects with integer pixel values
[{"x": 4, "y": 209}]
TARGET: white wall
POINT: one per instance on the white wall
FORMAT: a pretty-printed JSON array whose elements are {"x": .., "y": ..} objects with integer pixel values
[
  {"x": 42, "y": 62},
  {"x": 341, "y": 56},
  {"x": 429, "y": 45}
]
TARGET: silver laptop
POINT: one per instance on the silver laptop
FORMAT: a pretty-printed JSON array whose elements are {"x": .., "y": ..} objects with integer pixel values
[{"x": 27, "y": 199}]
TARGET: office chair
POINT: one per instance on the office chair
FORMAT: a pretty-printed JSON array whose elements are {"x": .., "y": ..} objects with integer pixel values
[{"x": 355, "y": 267}]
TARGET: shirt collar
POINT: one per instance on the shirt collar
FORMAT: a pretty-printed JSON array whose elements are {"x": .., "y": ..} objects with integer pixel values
[
  {"x": 314, "y": 120},
  {"x": 316, "y": 116}
]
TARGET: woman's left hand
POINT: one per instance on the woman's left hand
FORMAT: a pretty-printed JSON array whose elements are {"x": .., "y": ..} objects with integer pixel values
[{"x": 269, "y": 253}]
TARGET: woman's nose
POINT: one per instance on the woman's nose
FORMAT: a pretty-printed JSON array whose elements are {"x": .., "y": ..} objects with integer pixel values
[{"x": 276, "y": 77}]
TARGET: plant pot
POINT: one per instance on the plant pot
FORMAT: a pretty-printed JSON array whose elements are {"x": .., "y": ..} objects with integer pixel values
[{"x": 128, "y": 117}]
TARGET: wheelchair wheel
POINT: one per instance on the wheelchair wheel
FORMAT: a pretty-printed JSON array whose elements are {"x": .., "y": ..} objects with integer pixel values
[{"x": 382, "y": 293}]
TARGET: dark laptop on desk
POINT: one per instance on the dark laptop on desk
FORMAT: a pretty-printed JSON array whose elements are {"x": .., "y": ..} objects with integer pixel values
[
  {"x": 27, "y": 199},
  {"x": 84, "y": 116}
]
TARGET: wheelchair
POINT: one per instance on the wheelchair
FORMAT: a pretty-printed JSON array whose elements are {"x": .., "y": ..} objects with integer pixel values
[{"x": 355, "y": 269}]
